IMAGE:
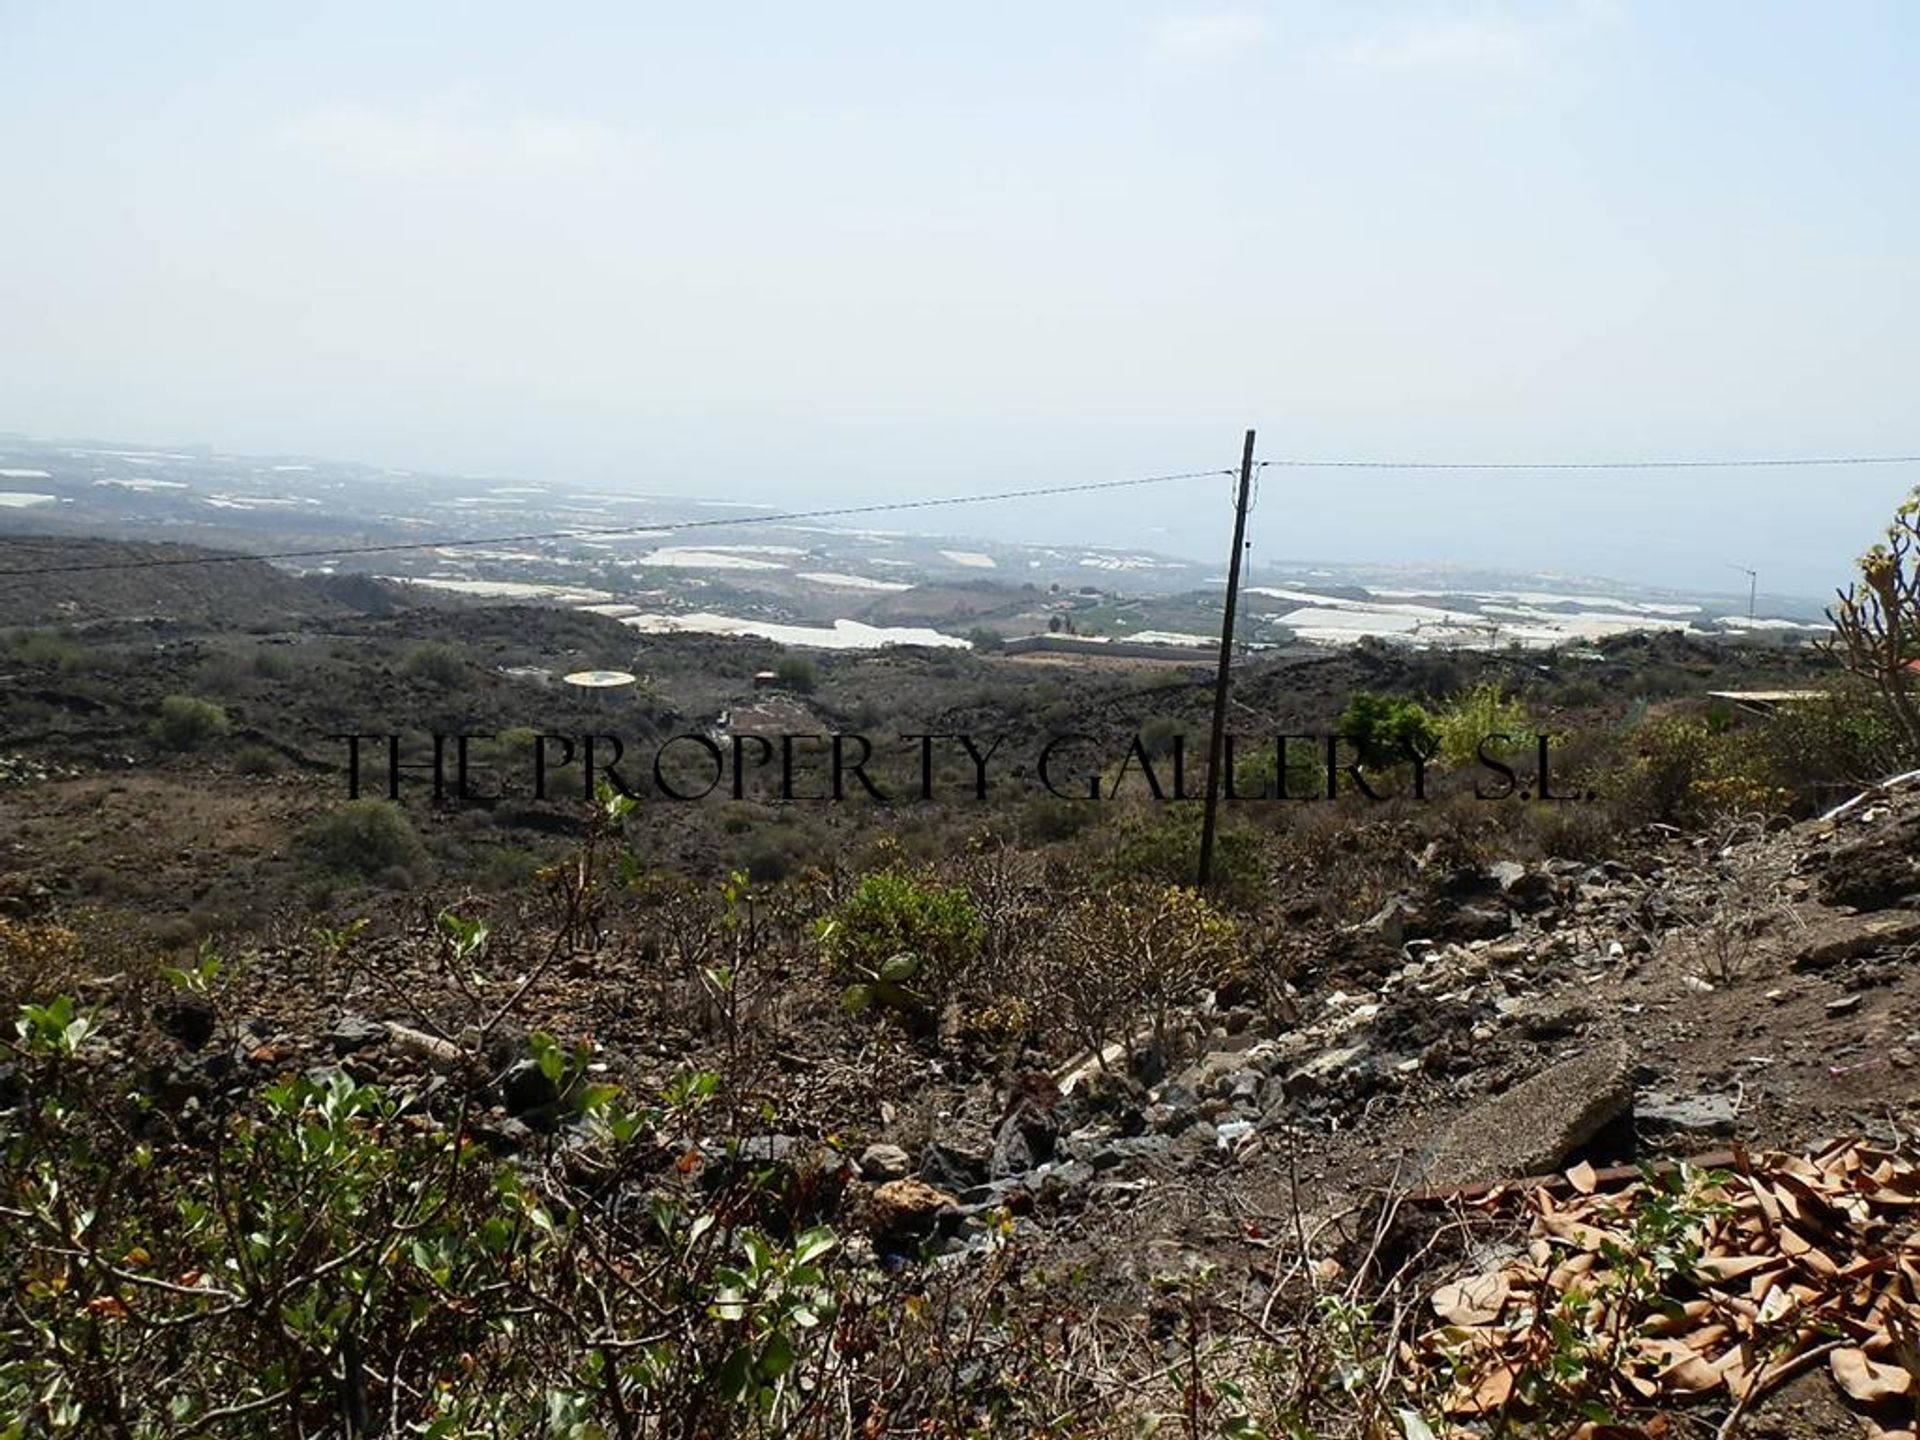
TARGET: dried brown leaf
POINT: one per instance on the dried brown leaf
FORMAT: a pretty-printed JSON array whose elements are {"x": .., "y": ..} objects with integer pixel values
[
  {"x": 1478, "y": 1301},
  {"x": 1867, "y": 1380}
]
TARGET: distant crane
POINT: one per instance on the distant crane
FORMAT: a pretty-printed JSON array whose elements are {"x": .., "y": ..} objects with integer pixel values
[{"x": 1753, "y": 584}]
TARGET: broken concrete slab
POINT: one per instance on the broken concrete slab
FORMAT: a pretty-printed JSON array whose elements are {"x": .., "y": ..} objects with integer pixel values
[
  {"x": 1536, "y": 1125},
  {"x": 1699, "y": 1114}
]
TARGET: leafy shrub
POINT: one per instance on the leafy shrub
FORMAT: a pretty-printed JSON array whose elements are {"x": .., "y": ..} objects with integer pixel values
[
  {"x": 1047, "y": 818},
  {"x": 1582, "y": 694},
  {"x": 798, "y": 673},
  {"x": 900, "y": 940},
  {"x": 257, "y": 760},
  {"x": 186, "y": 722},
  {"x": 370, "y": 839},
  {"x": 437, "y": 663},
  {"x": 270, "y": 663},
  {"x": 507, "y": 868},
  {"x": 1466, "y": 720},
  {"x": 1254, "y": 772},
  {"x": 50, "y": 649},
  {"x": 1841, "y": 742},
  {"x": 222, "y": 673},
  {"x": 509, "y": 752},
  {"x": 1385, "y": 729},
  {"x": 1684, "y": 772},
  {"x": 312, "y": 1264},
  {"x": 1158, "y": 734},
  {"x": 1165, "y": 850}
]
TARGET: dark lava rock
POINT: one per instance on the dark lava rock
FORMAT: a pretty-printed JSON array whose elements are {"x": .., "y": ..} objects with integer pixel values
[
  {"x": 1062, "y": 1186},
  {"x": 1410, "y": 1023},
  {"x": 188, "y": 1018},
  {"x": 525, "y": 1089},
  {"x": 1178, "y": 1095},
  {"x": 1529, "y": 889},
  {"x": 353, "y": 1032},
  {"x": 1112, "y": 1153},
  {"x": 948, "y": 1167},
  {"x": 1467, "y": 882},
  {"x": 505, "y": 1137},
  {"x": 1476, "y": 922},
  {"x": 1025, "y": 1139},
  {"x": 1873, "y": 875}
]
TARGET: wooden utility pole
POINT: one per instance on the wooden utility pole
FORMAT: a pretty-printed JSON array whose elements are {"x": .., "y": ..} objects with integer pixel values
[{"x": 1216, "y": 747}]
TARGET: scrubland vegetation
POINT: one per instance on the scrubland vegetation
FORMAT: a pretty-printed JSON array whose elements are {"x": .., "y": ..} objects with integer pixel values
[{"x": 608, "y": 1162}]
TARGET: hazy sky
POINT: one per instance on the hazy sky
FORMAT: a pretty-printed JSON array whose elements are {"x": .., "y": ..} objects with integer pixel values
[{"x": 799, "y": 252}]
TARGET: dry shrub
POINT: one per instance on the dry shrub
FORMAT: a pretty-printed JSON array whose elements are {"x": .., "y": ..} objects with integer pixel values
[{"x": 1134, "y": 955}]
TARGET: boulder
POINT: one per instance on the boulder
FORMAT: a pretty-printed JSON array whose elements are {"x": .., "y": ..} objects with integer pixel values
[
  {"x": 1823, "y": 946},
  {"x": 951, "y": 1167},
  {"x": 1534, "y": 1127},
  {"x": 885, "y": 1162},
  {"x": 905, "y": 1209}
]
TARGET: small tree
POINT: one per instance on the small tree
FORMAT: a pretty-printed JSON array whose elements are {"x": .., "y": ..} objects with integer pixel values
[
  {"x": 1466, "y": 721},
  {"x": 1386, "y": 730},
  {"x": 1138, "y": 953},
  {"x": 1876, "y": 619}
]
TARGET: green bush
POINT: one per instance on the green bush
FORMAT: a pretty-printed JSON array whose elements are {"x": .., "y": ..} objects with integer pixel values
[
  {"x": 1471, "y": 716},
  {"x": 1385, "y": 728},
  {"x": 256, "y": 760},
  {"x": 1684, "y": 772},
  {"x": 1047, "y": 818},
  {"x": 797, "y": 673},
  {"x": 1825, "y": 749},
  {"x": 186, "y": 722},
  {"x": 44, "y": 648},
  {"x": 1158, "y": 735},
  {"x": 1165, "y": 849},
  {"x": 274, "y": 664},
  {"x": 223, "y": 1284},
  {"x": 506, "y": 868},
  {"x": 510, "y": 751},
  {"x": 1254, "y": 772},
  {"x": 437, "y": 663},
  {"x": 900, "y": 940},
  {"x": 370, "y": 839}
]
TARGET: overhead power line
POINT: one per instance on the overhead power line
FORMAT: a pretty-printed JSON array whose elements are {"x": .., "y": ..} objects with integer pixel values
[
  {"x": 844, "y": 512},
  {"x": 1786, "y": 463},
  {"x": 578, "y": 532}
]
